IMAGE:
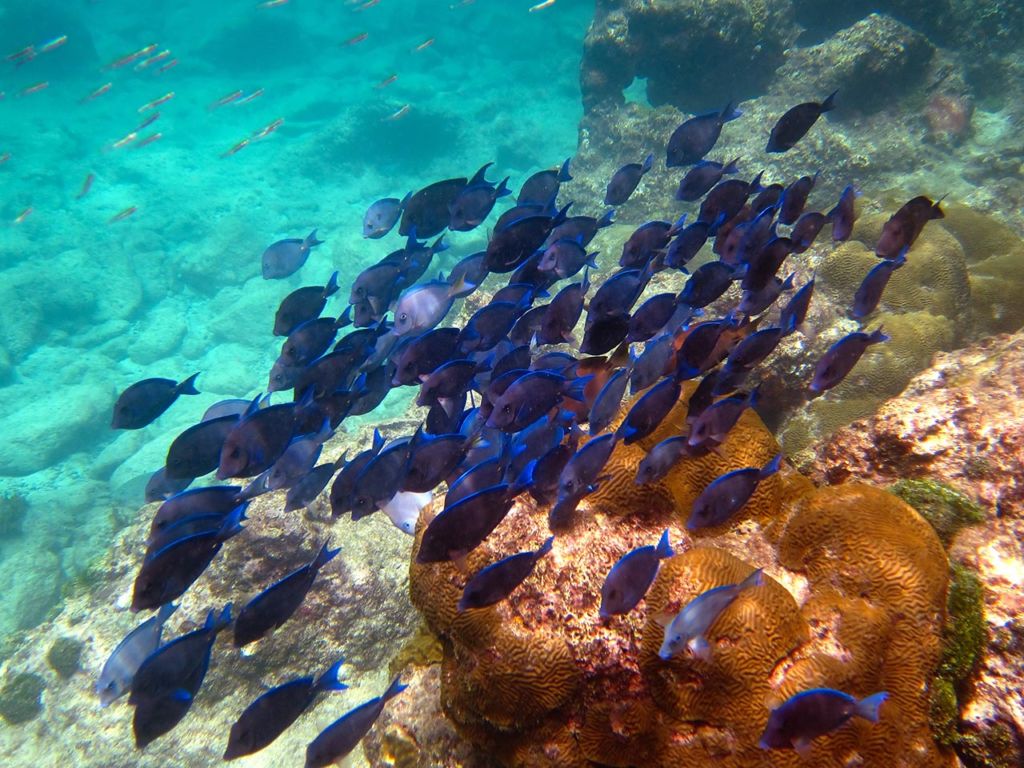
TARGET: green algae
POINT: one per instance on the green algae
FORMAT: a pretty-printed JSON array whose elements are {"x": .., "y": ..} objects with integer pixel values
[
  {"x": 21, "y": 698},
  {"x": 13, "y": 508},
  {"x": 947, "y": 509},
  {"x": 64, "y": 656}
]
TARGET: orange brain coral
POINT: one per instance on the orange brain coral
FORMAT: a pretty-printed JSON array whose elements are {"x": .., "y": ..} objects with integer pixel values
[{"x": 854, "y": 600}]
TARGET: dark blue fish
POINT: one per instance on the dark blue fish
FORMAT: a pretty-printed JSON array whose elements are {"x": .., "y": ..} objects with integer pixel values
[
  {"x": 630, "y": 578},
  {"x": 794, "y": 198},
  {"x": 119, "y": 669},
  {"x": 275, "y": 605},
  {"x": 307, "y": 489},
  {"x": 806, "y": 230},
  {"x": 421, "y": 355},
  {"x": 303, "y": 305},
  {"x": 726, "y": 200},
  {"x": 795, "y": 311},
  {"x": 341, "y": 490},
  {"x": 475, "y": 201},
  {"x": 377, "y": 284},
  {"x": 697, "y": 136},
  {"x": 470, "y": 271},
  {"x": 625, "y": 180},
  {"x": 582, "y": 229},
  {"x": 517, "y": 240},
  {"x": 544, "y": 185},
  {"x": 582, "y": 472},
  {"x": 696, "y": 353},
  {"x": 311, "y": 339},
  {"x": 903, "y": 227},
  {"x": 747, "y": 238},
  {"x": 713, "y": 424},
  {"x": 563, "y": 313},
  {"x": 604, "y": 334},
  {"x": 382, "y": 216},
  {"x": 756, "y": 302},
  {"x": 797, "y": 121},
  {"x": 702, "y": 397},
  {"x": 482, "y": 475},
  {"x": 166, "y": 683},
  {"x": 707, "y": 283},
  {"x": 616, "y": 296},
  {"x": 763, "y": 266},
  {"x": 688, "y": 243},
  {"x": 160, "y": 487},
  {"x": 699, "y": 180},
  {"x": 196, "y": 451},
  {"x": 661, "y": 458},
  {"x": 272, "y": 713},
  {"x": 565, "y": 257},
  {"x": 490, "y": 324},
  {"x": 841, "y": 357},
  {"x": 256, "y": 441},
  {"x": 372, "y": 386},
  {"x": 754, "y": 348},
  {"x": 689, "y": 628},
  {"x": 767, "y": 197},
  {"x": 427, "y": 212},
  {"x": 462, "y": 527},
  {"x": 497, "y": 581},
  {"x": 167, "y": 573},
  {"x": 646, "y": 241},
  {"x": 540, "y": 477},
  {"x": 517, "y": 358},
  {"x": 556, "y": 361},
  {"x": 726, "y": 495},
  {"x": 648, "y": 412},
  {"x": 449, "y": 381},
  {"x": 285, "y": 257},
  {"x": 869, "y": 292},
  {"x": 609, "y": 398},
  {"x": 800, "y": 719},
  {"x": 514, "y": 293},
  {"x": 531, "y": 396},
  {"x": 201, "y": 522},
  {"x": 651, "y": 316},
  {"x": 652, "y": 363},
  {"x": 298, "y": 459},
  {"x": 380, "y": 479},
  {"x": 533, "y": 442},
  {"x": 432, "y": 459},
  {"x": 145, "y": 400},
  {"x": 217, "y": 499},
  {"x": 844, "y": 215},
  {"x": 233, "y": 406},
  {"x": 345, "y": 733}
]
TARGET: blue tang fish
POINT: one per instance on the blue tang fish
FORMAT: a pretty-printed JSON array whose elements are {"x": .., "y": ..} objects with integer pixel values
[
  {"x": 726, "y": 495},
  {"x": 804, "y": 717},
  {"x": 628, "y": 580},
  {"x": 840, "y": 358},
  {"x": 116, "y": 677},
  {"x": 345, "y": 733},
  {"x": 145, "y": 400},
  {"x": 285, "y": 257},
  {"x": 497, "y": 581}
]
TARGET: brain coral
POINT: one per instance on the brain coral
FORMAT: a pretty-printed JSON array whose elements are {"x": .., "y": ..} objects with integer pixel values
[{"x": 854, "y": 599}]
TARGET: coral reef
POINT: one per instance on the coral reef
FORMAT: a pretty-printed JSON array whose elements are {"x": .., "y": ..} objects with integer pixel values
[
  {"x": 21, "y": 698},
  {"x": 64, "y": 656},
  {"x": 541, "y": 680}
]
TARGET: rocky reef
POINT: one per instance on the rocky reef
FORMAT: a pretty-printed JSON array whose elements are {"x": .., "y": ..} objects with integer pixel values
[{"x": 856, "y": 599}]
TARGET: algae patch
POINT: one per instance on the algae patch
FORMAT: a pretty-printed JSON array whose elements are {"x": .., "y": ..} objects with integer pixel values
[{"x": 947, "y": 509}]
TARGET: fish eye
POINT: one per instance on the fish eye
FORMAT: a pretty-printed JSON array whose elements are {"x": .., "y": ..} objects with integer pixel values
[{"x": 403, "y": 317}]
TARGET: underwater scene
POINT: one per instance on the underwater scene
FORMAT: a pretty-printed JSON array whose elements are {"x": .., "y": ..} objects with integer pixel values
[{"x": 512, "y": 383}]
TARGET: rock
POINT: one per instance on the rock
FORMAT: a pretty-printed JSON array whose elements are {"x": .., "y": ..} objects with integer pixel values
[
  {"x": 875, "y": 64},
  {"x": 64, "y": 656},
  {"x": 21, "y": 698},
  {"x": 33, "y": 578},
  {"x": 692, "y": 54}
]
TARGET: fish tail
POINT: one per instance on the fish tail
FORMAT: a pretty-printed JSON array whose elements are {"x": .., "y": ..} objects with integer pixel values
[
  {"x": 730, "y": 112},
  {"x": 223, "y": 620},
  {"x": 771, "y": 467},
  {"x": 575, "y": 390},
  {"x": 480, "y": 176},
  {"x": 329, "y": 681},
  {"x": 324, "y": 556},
  {"x": 561, "y": 215},
  {"x": 405, "y": 201},
  {"x": 503, "y": 189},
  {"x": 563, "y": 172},
  {"x": 731, "y": 166},
  {"x": 332, "y": 287},
  {"x": 878, "y": 336},
  {"x": 544, "y": 548},
  {"x": 647, "y": 164},
  {"x": 868, "y": 706},
  {"x": 755, "y": 579},
  {"x": 188, "y": 386},
  {"x": 345, "y": 318},
  {"x": 394, "y": 689},
  {"x": 607, "y": 219},
  {"x": 461, "y": 288},
  {"x": 232, "y": 524},
  {"x": 664, "y": 548},
  {"x": 165, "y": 613},
  {"x": 311, "y": 240},
  {"x": 830, "y": 101}
]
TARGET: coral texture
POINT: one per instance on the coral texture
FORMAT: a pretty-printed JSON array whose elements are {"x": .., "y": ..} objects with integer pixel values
[{"x": 854, "y": 599}]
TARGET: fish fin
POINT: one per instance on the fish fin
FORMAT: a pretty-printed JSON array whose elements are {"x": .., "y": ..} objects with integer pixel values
[
  {"x": 677, "y": 227},
  {"x": 700, "y": 648},
  {"x": 563, "y": 172},
  {"x": 544, "y": 548},
  {"x": 394, "y": 689},
  {"x": 830, "y": 102},
  {"x": 479, "y": 176},
  {"x": 459, "y": 561},
  {"x": 332, "y": 286},
  {"x": 324, "y": 556},
  {"x": 405, "y": 201},
  {"x": 729, "y": 112},
  {"x": 439, "y": 245},
  {"x": 731, "y": 166},
  {"x": 755, "y": 579},
  {"x": 188, "y": 386},
  {"x": 561, "y": 215},
  {"x": 771, "y": 467},
  {"x": 592, "y": 260},
  {"x": 878, "y": 336},
  {"x": 224, "y": 619},
  {"x": 787, "y": 284},
  {"x": 461, "y": 288},
  {"x": 232, "y": 524},
  {"x": 755, "y": 186},
  {"x": 575, "y": 390},
  {"x": 867, "y": 707},
  {"x": 378, "y": 441},
  {"x": 647, "y": 164},
  {"x": 165, "y": 613},
  {"x": 664, "y": 548},
  {"x": 311, "y": 240},
  {"x": 803, "y": 747},
  {"x": 663, "y": 619},
  {"x": 607, "y": 219},
  {"x": 329, "y": 681},
  {"x": 502, "y": 189}
]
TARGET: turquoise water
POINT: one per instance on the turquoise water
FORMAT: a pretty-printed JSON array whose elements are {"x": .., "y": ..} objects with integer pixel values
[{"x": 90, "y": 306}]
